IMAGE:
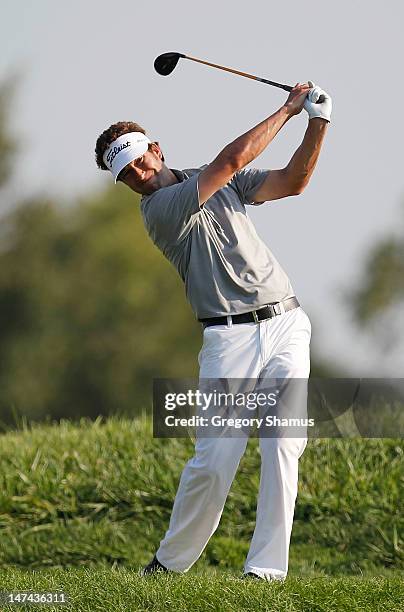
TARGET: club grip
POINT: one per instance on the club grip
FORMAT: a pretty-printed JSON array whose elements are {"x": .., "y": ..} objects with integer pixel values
[
  {"x": 287, "y": 88},
  {"x": 319, "y": 101}
]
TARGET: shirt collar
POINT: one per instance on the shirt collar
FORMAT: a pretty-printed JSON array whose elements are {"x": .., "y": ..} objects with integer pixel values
[{"x": 180, "y": 175}]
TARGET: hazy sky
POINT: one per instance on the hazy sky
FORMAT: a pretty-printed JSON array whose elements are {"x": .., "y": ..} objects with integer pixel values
[{"x": 85, "y": 65}]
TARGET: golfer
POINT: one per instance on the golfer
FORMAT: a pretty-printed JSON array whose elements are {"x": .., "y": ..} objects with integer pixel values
[{"x": 253, "y": 325}]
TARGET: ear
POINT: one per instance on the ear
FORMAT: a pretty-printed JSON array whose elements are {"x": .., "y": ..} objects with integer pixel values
[{"x": 156, "y": 149}]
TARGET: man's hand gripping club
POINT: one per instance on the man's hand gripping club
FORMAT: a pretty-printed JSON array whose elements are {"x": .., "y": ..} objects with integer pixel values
[{"x": 305, "y": 96}]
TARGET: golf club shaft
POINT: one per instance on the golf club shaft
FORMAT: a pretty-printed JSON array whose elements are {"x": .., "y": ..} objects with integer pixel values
[{"x": 244, "y": 74}]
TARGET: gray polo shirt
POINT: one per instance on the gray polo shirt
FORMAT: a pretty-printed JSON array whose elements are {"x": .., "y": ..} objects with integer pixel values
[{"x": 226, "y": 267}]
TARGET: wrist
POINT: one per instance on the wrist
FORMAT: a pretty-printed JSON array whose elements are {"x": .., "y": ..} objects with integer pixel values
[
  {"x": 319, "y": 122},
  {"x": 286, "y": 111}
]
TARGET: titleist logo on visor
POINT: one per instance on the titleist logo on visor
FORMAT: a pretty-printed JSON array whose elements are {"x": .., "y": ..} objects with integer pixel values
[{"x": 114, "y": 152}]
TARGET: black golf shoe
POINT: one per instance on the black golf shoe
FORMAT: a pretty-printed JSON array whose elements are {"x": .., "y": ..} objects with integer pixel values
[
  {"x": 154, "y": 567},
  {"x": 269, "y": 578},
  {"x": 251, "y": 575}
]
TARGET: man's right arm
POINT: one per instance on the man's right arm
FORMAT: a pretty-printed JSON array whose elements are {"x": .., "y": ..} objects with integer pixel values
[{"x": 236, "y": 155}]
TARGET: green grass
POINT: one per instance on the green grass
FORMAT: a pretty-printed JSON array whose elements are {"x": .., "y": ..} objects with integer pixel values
[
  {"x": 83, "y": 506},
  {"x": 121, "y": 590}
]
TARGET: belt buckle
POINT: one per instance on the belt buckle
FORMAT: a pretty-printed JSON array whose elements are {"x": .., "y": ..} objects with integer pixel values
[
  {"x": 275, "y": 309},
  {"x": 256, "y": 319}
]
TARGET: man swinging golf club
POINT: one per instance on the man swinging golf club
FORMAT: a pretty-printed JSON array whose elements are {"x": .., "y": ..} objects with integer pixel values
[{"x": 253, "y": 324}]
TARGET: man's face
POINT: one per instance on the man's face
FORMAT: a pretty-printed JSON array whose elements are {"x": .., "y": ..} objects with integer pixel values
[{"x": 141, "y": 175}]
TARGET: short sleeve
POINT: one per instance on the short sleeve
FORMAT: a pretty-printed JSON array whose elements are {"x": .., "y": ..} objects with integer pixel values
[
  {"x": 247, "y": 182},
  {"x": 171, "y": 212}
]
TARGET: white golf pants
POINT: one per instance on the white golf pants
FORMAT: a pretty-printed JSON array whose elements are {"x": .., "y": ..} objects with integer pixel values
[{"x": 275, "y": 348}]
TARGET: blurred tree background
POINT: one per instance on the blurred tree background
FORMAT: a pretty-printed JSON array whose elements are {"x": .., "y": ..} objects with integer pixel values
[
  {"x": 378, "y": 300},
  {"x": 8, "y": 145},
  {"x": 91, "y": 312}
]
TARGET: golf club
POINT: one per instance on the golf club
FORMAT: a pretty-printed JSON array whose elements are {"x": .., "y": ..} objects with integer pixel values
[{"x": 164, "y": 64}]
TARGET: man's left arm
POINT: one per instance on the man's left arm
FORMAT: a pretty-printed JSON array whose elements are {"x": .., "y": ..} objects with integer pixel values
[{"x": 293, "y": 179}]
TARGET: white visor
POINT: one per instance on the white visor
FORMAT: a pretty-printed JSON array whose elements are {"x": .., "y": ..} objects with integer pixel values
[{"x": 123, "y": 150}]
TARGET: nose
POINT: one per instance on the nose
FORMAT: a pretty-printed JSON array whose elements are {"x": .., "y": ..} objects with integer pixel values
[{"x": 138, "y": 172}]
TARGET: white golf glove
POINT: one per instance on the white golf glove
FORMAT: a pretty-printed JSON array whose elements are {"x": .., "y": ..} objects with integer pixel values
[{"x": 322, "y": 110}]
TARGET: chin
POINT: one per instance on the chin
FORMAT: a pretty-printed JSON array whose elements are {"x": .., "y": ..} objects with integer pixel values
[
  {"x": 142, "y": 189},
  {"x": 149, "y": 187}
]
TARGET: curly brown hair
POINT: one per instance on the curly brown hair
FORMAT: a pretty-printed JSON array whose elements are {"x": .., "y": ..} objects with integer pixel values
[{"x": 111, "y": 134}]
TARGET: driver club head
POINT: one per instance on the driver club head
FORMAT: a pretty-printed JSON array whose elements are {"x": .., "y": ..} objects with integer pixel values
[{"x": 164, "y": 64}]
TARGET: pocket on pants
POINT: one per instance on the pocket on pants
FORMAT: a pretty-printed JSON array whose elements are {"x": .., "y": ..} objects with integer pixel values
[{"x": 230, "y": 352}]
